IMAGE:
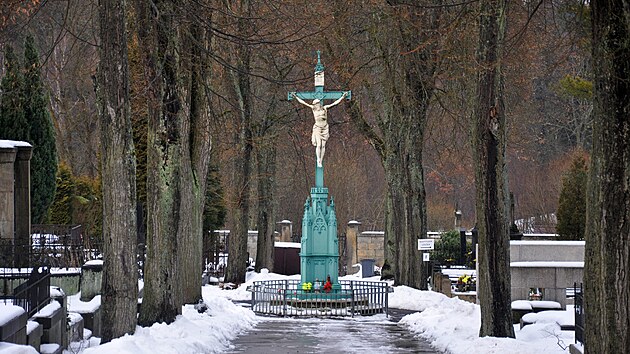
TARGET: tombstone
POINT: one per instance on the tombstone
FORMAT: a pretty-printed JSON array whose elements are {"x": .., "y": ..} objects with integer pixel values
[
  {"x": 352, "y": 235},
  {"x": 458, "y": 218},
  {"x": 15, "y": 202},
  {"x": 7, "y": 192},
  {"x": 91, "y": 279},
  {"x": 442, "y": 284},
  {"x": 286, "y": 231},
  {"x": 22, "y": 204}
]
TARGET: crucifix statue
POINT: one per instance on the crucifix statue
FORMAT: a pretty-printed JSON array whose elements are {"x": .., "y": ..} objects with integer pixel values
[
  {"x": 319, "y": 255},
  {"x": 320, "y": 111}
]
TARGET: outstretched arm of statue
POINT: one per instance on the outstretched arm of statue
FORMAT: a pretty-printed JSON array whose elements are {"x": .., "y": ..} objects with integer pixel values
[
  {"x": 337, "y": 101},
  {"x": 301, "y": 100}
]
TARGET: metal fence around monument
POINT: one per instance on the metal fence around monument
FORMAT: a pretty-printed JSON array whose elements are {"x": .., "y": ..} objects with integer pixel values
[{"x": 286, "y": 298}]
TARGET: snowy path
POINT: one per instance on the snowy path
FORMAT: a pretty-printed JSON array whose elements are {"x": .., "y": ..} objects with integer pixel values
[{"x": 375, "y": 334}]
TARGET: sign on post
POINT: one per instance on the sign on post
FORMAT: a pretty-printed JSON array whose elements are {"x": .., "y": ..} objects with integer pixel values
[
  {"x": 425, "y": 257},
  {"x": 426, "y": 244}
]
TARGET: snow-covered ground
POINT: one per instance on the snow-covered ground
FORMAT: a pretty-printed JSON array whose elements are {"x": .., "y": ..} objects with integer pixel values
[
  {"x": 449, "y": 324},
  {"x": 452, "y": 325},
  {"x": 192, "y": 332}
]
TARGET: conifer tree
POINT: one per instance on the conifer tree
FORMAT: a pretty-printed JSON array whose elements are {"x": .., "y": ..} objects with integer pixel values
[
  {"x": 214, "y": 211},
  {"x": 13, "y": 124},
  {"x": 572, "y": 204},
  {"x": 41, "y": 135},
  {"x": 60, "y": 211}
]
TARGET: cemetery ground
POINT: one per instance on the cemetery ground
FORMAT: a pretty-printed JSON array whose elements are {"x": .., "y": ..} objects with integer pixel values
[{"x": 448, "y": 325}]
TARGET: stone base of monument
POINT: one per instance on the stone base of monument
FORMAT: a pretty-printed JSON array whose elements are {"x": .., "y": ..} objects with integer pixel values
[{"x": 284, "y": 298}]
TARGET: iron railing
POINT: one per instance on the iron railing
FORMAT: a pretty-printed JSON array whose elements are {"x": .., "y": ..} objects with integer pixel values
[
  {"x": 215, "y": 248},
  {"x": 29, "y": 291},
  {"x": 286, "y": 298},
  {"x": 579, "y": 312},
  {"x": 215, "y": 266},
  {"x": 61, "y": 246}
]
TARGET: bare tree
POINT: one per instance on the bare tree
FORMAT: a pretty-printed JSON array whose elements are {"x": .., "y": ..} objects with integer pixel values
[
  {"x": 398, "y": 86},
  {"x": 241, "y": 85},
  {"x": 120, "y": 286},
  {"x": 270, "y": 114}
]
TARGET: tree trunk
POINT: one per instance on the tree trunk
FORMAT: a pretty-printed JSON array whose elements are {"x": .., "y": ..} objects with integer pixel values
[
  {"x": 489, "y": 141},
  {"x": 236, "y": 267},
  {"x": 198, "y": 151},
  {"x": 409, "y": 88},
  {"x": 237, "y": 244},
  {"x": 120, "y": 271},
  {"x": 162, "y": 294},
  {"x": 607, "y": 258},
  {"x": 405, "y": 217},
  {"x": 178, "y": 156},
  {"x": 266, "y": 163}
]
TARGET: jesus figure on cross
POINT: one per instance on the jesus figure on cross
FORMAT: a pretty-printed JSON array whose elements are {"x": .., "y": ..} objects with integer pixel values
[{"x": 320, "y": 128}]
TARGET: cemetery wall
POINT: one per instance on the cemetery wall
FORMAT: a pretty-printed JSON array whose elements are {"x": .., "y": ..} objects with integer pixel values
[{"x": 370, "y": 245}]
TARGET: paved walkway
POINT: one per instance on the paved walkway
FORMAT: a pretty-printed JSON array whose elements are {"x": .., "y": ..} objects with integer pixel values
[{"x": 365, "y": 335}]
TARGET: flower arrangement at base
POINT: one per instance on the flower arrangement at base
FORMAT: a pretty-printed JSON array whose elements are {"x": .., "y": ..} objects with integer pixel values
[
  {"x": 306, "y": 287},
  {"x": 327, "y": 286},
  {"x": 466, "y": 283}
]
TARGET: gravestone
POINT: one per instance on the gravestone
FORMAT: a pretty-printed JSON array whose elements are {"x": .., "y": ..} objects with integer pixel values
[
  {"x": 15, "y": 202},
  {"x": 286, "y": 231},
  {"x": 91, "y": 279},
  {"x": 352, "y": 234}
]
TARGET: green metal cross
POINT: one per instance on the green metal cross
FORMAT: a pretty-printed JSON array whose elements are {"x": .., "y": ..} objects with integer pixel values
[
  {"x": 321, "y": 95},
  {"x": 319, "y": 255},
  {"x": 319, "y": 92}
]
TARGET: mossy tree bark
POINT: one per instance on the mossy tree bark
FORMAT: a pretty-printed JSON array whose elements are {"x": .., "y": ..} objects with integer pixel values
[
  {"x": 120, "y": 270},
  {"x": 489, "y": 142},
  {"x": 607, "y": 258},
  {"x": 178, "y": 146},
  {"x": 162, "y": 297}
]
